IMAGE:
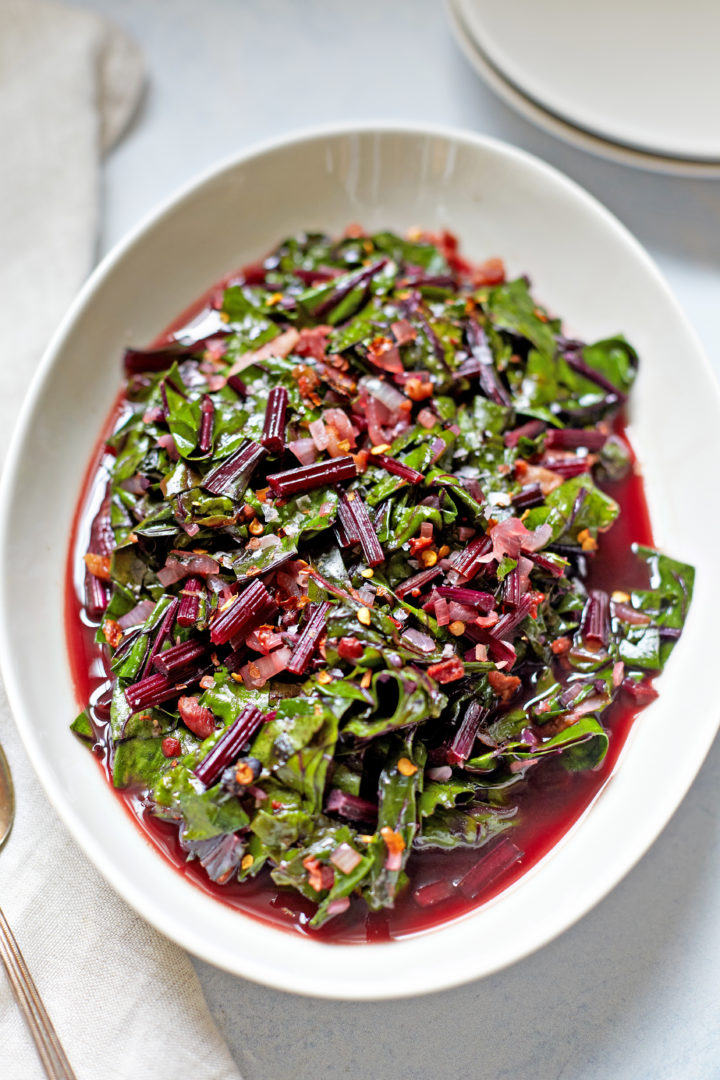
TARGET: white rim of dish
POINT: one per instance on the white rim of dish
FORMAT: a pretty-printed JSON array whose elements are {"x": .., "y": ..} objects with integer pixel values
[
  {"x": 153, "y": 912},
  {"x": 561, "y": 128}
]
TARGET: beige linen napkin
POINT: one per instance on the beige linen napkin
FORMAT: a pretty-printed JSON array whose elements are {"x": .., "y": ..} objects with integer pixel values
[{"x": 125, "y": 1001}]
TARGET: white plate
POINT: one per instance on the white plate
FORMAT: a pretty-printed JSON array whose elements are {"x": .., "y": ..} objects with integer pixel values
[
  {"x": 585, "y": 265},
  {"x": 575, "y": 136},
  {"x": 644, "y": 74}
]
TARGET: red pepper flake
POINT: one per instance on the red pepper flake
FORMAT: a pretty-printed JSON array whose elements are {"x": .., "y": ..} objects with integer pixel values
[
  {"x": 417, "y": 390},
  {"x": 113, "y": 632},
  {"x": 419, "y": 543},
  {"x": 561, "y": 646},
  {"x": 319, "y": 877},
  {"x": 504, "y": 686}
]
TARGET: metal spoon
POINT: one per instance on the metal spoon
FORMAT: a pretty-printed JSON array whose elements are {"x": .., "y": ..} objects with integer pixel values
[{"x": 23, "y": 987}]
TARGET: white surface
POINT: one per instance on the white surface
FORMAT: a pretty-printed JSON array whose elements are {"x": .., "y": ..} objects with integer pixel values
[
  {"x": 69, "y": 83},
  {"x": 558, "y": 127},
  {"x": 498, "y": 199},
  {"x": 632, "y": 991},
  {"x": 643, "y": 73}
]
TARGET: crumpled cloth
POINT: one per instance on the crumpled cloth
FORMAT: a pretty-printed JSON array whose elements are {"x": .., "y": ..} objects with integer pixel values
[{"x": 126, "y": 1002}]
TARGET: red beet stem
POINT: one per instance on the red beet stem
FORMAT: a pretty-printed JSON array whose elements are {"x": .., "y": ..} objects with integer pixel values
[
  {"x": 308, "y": 639},
  {"x": 307, "y": 477},
  {"x": 150, "y": 691},
  {"x": 469, "y": 562},
  {"x": 483, "y": 601},
  {"x": 351, "y": 807},
  {"x": 227, "y": 477},
  {"x": 572, "y": 438},
  {"x": 190, "y": 598},
  {"x": 248, "y": 611},
  {"x": 175, "y": 661},
  {"x": 273, "y": 436},
  {"x": 596, "y": 619},
  {"x": 163, "y": 633},
  {"x": 418, "y": 581},
  {"x": 397, "y": 468},
  {"x": 229, "y": 745},
  {"x": 207, "y": 420},
  {"x": 490, "y": 866},
  {"x": 356, "y": 522}
]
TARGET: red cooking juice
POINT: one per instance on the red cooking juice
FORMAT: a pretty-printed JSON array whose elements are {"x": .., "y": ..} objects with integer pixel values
[{"x": 551, "y": 799}]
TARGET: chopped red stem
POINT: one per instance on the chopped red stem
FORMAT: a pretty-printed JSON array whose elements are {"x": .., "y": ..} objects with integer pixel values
[
  {"x": 224, "y": 479},
  {"x": 308, "y": 639},
  {"x": 397, "y": 468},
  {"x": 229, "y": 745},
  {"x": 572, "y": 438},
  {"x": 189, "y": 608},
  {"x": 175, "y": 661},
  {"x": 248, "y": 611},
  {"x": 273, "y": 436},
  {"x": 355, "y": 521},
  {"x": 308, "y": 477}
]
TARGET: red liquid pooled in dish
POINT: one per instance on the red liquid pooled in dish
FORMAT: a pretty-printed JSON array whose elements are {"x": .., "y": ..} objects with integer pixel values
[{"x": 551, "y": 802}]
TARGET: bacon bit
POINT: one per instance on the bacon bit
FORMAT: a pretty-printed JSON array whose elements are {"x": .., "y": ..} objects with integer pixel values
[
  {"x": 98, "y": 565},
  {"x": 405, "y": 767},
  {"x": 113, "y": 632},
  {"x": 457, "y": 627},
  {"x": 324, "y": 678},
  {"x": 490, "y": 272},
  {"x": 429, "y": 558},
  {"x": 447, "y": 670},
  {"x": 587, "y": 543},
  {"x": 196, "y": 717},
  {"x": 207, "y": 682},
  {"x": 561, "y": 646},
  {"x": 366, "y": 680},
  {"x": 171, "y": 747},
  {"x": 256, "y": 527},
  {"x": 349, "y": 648},
  {"x": 417, "y": 390},
  {"x": 319, "y": 877},
  {"x": 363, "y": 616},
  {"x": 247, "y": 861},
  {"x": 504, "y": 686}
]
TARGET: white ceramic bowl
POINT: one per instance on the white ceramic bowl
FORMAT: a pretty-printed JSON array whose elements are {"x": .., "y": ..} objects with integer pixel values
[{"x": 585, "y": 265}]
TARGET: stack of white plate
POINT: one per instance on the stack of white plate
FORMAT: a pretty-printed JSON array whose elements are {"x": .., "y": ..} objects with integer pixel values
[{"x": 636, "y": 81}]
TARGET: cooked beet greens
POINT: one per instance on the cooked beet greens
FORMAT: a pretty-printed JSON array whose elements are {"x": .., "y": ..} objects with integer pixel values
[{"x": 340, "y": 568}]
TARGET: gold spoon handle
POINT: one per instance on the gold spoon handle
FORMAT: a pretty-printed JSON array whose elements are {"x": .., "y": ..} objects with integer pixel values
[{"x": 26, "y": 994}]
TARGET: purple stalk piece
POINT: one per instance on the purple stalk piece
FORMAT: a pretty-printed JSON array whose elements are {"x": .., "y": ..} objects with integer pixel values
[
  {"x": 207, "y": 421},
  {"x": 566, "y": 469},
  {"x": 502, "y": 651},
  {"x": 231, "y": 477},
  {"x": 576, "y": 362},
  {"x": 355, "y": 520},
  {"x": 511, "y": 588},
  {"x": 596, "y": 619},
  {"x": 469, "y": 562},
  {"x": 235, "y": 383},
  {"x": 97, "y": 595},
  {"x": 163, "y": 634},
  {"x": 482, "y": 354},
  {"x": 437, "y": 281},
  {"x": 530, "y": 495},
  {"x": 531, "y": 430},
  {"x": 245, "y": 613},
  {"x": 229, "y": 745},
  {"x": 308, "y": 639},
  {"x": 308, "y": 477},
  {"x": 137, "y": 361},
  {"x": 463, "y": 740},
  {"x": 418, "y": 581},
  {"x": 338, "y": 294},
  {"x": 347, "y": 524},
  {"x": 572, "y": 438},
  {"x": 483, "y": 601},
  {"x": 548, "y": 565},
  {"x": 490, "y": 866},
  {"x": 508, "y": 623},
  {"x": 175, "y": 661},
  {"x": 149, "y": 692},
  {"x": 273, "y": 436},
  {"x": 190, "y": 598},
  {"x": 397, "y": 468},
  {"x": 351, "y": 807}
]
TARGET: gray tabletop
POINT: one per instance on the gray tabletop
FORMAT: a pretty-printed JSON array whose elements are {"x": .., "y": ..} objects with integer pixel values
[{"x": 631, "y": 992}]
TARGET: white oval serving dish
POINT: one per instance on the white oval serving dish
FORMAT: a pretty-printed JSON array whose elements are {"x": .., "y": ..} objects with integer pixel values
[{"x": 585, "y": 265}]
